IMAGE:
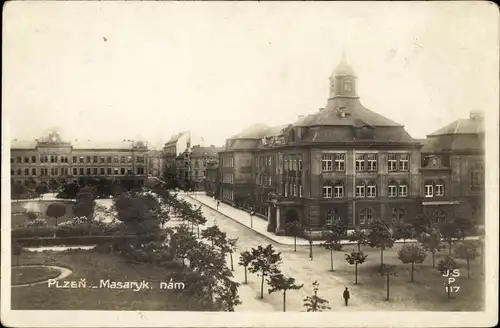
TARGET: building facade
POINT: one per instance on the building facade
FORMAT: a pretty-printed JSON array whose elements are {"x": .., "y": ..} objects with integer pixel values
[
  {"x": 51, "y": 158},
  {"x": 452, "y": 171},
  {"x": 212, "y": 182},
  {"x": 155, "y": 163}
]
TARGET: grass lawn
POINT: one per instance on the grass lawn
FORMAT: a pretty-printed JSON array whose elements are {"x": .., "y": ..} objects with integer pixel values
[
  {"x": 427, "y": 292},
  {"x": 93, "y": 266},
  {"x": 27, "y": 275}
]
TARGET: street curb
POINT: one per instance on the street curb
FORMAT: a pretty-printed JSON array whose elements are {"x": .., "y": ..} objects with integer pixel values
[{"x": 227, "y": 216}]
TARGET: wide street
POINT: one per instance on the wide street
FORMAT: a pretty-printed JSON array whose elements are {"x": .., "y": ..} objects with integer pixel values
[{"x": 298, "y": 266}]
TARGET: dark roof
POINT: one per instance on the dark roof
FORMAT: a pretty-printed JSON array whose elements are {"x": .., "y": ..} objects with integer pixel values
[
  {"x": 461, "y": 126},
  {"x": 346, "y": 134},
  {"x": 81, "y": 144},
  {"x": 356, "y": 115},
  {"x": 205, "y": 151},
  {"x": 176, "y": 137},
  {"x": 255, "y": 131}
]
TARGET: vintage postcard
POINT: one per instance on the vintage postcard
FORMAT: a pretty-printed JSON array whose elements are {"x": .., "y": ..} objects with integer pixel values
[{"x": 250, "y": 164}]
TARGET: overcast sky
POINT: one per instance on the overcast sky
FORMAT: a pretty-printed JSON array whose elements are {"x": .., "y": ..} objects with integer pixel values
[{"x": 114, "y": 70}]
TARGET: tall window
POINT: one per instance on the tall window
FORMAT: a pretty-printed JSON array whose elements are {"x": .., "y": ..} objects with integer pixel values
[
  {"x": 102, "y": 171},
  {"x": 360, "y": 162},
  {"x": 109, "y": 159},
  {"x": 102, "y": 160},
  {"x": 403, "y": 190},
  {"x": 19, "y": 159},
  {"x": 339, "y": 162},
  {"x": 33, "y": 159},
  {"x": 440, "y": 188},
  {"x": 348, "y": 86},
  {"x": 82, "y": 160},
  {"x": 300, "y": 165},
  {"x": 331, "y": 217},
  {"x": 327, "y": 190},
  {"x": 26, "y": 160},
  {"x": 26, "y": 171},
  {"x": 371, "y": 189},
  {"x": 88, "y": 171},
  {"x": 392, "y": 189},
  {"x": 122, "y": 159},
  {"x": 89, "y": 159},
  {"x": 365, "y": 216},
  {"x": 300, "y": 190},
  {"x": 439, "y": 216},
  {"x": 339, "y": 189},
  {"x": 360, "y": 189},
  {"x": 81, "y": 171},
  {"x": 392, "y": 162},
  {"x": 428, "y": 189},
  {"x": 33, "y": 171},
  {"x": 75, "y": 171},
  {"x": 398, "y": 215},
  {"x": 327, "y": 162},
  {"x": 404, "y": 162},
  {"x": 476, "y": 177},
  {"x": 53, "y": 159},
  {"x": 372, "y": 162}
]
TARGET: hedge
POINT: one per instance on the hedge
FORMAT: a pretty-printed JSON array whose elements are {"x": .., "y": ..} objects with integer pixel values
[{"x": 72, "y": 241}]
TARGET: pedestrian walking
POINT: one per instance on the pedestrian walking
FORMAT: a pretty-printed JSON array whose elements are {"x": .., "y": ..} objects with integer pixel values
[
  {"x": 346, "y": 295},
  {"x": 218, "y": 202}
]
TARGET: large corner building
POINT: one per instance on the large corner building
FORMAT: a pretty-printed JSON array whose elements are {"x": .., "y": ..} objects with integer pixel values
[{"x": 346, "y": 162}]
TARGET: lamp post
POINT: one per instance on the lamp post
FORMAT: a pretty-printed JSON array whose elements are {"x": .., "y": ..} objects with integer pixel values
[{"x": 251, "y": 217}]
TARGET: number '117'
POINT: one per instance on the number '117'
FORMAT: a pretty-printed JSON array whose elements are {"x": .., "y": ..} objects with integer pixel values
[{"x": 452, "y": 289}]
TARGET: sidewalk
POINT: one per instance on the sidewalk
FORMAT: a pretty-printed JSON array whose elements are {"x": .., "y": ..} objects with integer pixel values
[{"x": 259, "y": 224}]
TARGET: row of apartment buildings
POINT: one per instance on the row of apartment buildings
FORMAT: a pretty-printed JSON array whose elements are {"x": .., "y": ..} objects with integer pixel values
[
  {"x": 346, "y": 162},
  {"x": 52, "y": 158}
]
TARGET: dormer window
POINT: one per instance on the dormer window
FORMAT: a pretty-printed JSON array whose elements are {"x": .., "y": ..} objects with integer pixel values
[{"x": 348, "y": 86}]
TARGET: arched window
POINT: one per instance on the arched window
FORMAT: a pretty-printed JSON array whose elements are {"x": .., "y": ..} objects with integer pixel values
[
  {"x": 339, "y": 189},
  {"x": 292, "y": 135},
  {"x": 327, "y": 190},
  {"x": 398, "y": 215},
  {"x": 439, "y": 188},
  {"x": 392, "y": 189},
  {"x": 403, "y": 189},
  {"x": 439, "y": 216},
  {"x": 476, "y": 176},
  {"x": 371, "y": 189},
  {"x": 331, "y": 217},
  {"x": 360, "y": 189},
  {"x": 365, "y": 216}
]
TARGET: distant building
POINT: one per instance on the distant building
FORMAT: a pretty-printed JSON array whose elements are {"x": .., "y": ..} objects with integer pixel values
[
  {"x": 156, "y": 163},
  {"x": 212, "y": 182},
  {"x": 51, "y": 158},
  {"x": 452, "y": 172}
]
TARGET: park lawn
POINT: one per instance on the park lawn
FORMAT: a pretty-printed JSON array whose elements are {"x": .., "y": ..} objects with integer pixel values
[
  {"x": 427, "y": 292},
  {"x": 26, "y": 275},
  {"x": 93, "y": 266}
]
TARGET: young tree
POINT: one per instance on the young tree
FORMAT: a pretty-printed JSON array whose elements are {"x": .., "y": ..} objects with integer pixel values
[
  {"x": 421, "y": 223},
  {"x": 380, "y": 237},
  {"x": 17, "y": 250},
  {"x": 245, "y": 260},
  {"x": 85, "y": 202},
  {"x": 295, "y": 228},
  {"x": 279, "y": 282},
  {"x": 403, "y": 231},
  {"x": 230, "y": 247},
  {"x": 359, "y": 237},
  {"x": 431, "y": 242},
  {"x": 265, "y": 262},
  {"x": 464, "y": 226},
  {"x": 315, "y": 303},
  {"x": 388, "y": 271},
  {"x": 411, "y": 253},
  {"x": 467, "y": 250},
  {"x": 332, "y": 243},
  {"x": 56, "y": 210},
  {"x": 226, "y": 295},
  {"x": 356, "y": 258},
  {"x": 450, "y": 234},
  {"x": 214, "y": 234},
  {"x": 447, "y": 265},
  {"x": 182, "y": 242}
]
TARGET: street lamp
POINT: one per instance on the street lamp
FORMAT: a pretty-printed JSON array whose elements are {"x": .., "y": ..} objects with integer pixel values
[{"x": 251, "y": 217}]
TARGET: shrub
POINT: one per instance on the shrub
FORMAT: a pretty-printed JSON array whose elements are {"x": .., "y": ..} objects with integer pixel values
[
  {"x": 31, "y": 216},
  {"x": 37, "y": 223},
  {"x": 29, "y": 232},
  {"x": 84, "y": 229}
]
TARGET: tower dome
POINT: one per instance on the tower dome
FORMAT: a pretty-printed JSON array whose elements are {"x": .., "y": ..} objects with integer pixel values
[{"x": 343, "y": 68}]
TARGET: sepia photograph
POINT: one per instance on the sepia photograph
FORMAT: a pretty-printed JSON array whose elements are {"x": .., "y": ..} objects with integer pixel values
[{"x": 243, "y": 164}]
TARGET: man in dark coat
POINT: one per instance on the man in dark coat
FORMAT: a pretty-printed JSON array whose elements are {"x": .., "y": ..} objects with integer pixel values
[{"x": 346, "y": 296}]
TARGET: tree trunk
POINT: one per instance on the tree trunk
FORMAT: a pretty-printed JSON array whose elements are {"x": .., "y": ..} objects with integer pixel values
[
  {"x": 412, "y": 270},
  {"x": 387, "y": 286},
  {"x": 262, "y": 287},
  {"x": 433, "y": 259},
  {"x": 17, "y": 260},
  {"x": 381, "y": 258},
  {"x": 359, "y": 247},
  {"x": 198, "y": 227},
  {"x": 246, "y": 282},
  {"x": 284, "y": 300},
  {"x": 356, "y": 273},
  {"x": 331, "y": 259},
  {"x": 231, "y": 257},
  {"x": 404, "y": 241},
  {"x": 468, "y": 268},
  {"x": 449, "y": 290},
  {"x": 295, "y": 242},
  {"x": 449, "y": 249}
]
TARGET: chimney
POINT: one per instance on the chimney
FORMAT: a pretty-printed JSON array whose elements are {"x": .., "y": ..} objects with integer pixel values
[
  {"x": 212, "y": 146},
  {"x": 321, "y": 109},
  {"x": 475, "y": 115},
  {"x": 301, "y": 117}
]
